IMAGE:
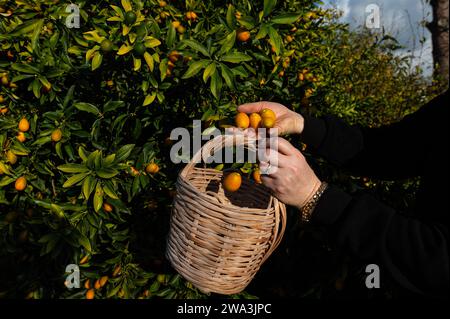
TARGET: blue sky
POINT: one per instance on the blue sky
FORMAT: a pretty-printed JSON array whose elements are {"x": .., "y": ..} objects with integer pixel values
[{"x": 400, "y": 18}]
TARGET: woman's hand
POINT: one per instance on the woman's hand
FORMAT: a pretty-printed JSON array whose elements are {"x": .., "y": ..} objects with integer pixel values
[
  {"x": 289, "y": 176},
  {"x": 288, "y": 122}
]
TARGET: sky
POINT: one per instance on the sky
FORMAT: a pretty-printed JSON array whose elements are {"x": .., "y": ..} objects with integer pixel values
[{"x": 401, "y": 19}]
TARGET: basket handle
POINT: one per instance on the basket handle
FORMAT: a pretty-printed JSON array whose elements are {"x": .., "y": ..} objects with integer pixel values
[{"x": 217, "y": 144}]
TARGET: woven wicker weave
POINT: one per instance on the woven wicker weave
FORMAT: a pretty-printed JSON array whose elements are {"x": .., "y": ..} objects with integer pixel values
[{"x": 219, "y": 240}]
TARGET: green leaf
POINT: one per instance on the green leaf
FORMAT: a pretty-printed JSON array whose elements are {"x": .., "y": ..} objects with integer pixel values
[
  {"x": 36, "y": 34},
  {"x": 84, "y": 241},
  {"x": 83, "y": 154},
  {"x": 98, "y": 197},
  {"x": 69, "y": 96},
  {"x": 73, "y": 168},
  {"x": 149, "y": 60},
  {"x": 36, "y": 87},
  {"x": 144, "y": 180},
  {"x": 123, "y": 153},
  {"x": 113, "y": 105},
  {"x": 76, "y": 50},
  {"x": 59, "y": 150},
  {"x": 154, "y": 287},
  {"x": 44, "y": 81},
  {"x": 42, "y": 140},
  {"x": 124, "y": 49},
  {"x": 163, "y": 69},
  {"x": 69, "y": 151},
  {"x": 113, "y": 291},
  {"x": 48, "y": 237},
  {"x": 275, "y": 39},
  {"x": 54, "y": 39},
  {"x": 228, "y": 76},
  {"x": 41, "y": 203},
  {"x": 54, "y": 73},
  {"x": 196, "y": 46},
  {"x": 75, "y": 179},
  {"x": 19, "y": 149},
  {"x": 109, "y": 159},
  {"x": 210, "y": 70},
  {"x": 209, "y": 131},
  {"x": 216, "y": 85},
  {"x": 171, "y": 36},
  {"x": 109, "y": 190},
  {"x": 98, "y": 160},
  {"x": 152, "y": 42},
  {"x": 91, "y": 159},
  {"x": 228, "y": 44},
  {"x": 88, "y": 186},
  {"x": 4, "y": 168},
  {"x": 287, "y": 18},
  {"x": 149, "y": 99},
  {"x": 135, "y": 187},
  {"x": 24, "y": 68},
  {"x": 236, "y": 57},
  {"x": 97, "y": 60},
  {"x": 195, "y": 68},
  {"x": 107, "y": 172},
  {"x": 261, "y": 57},
  {"x": 137, "y": 64},
  {"x": 87, "y": 107},
  {"x": 25, "y": 27},
  {"x": 269, "y": 5},
  {"x": 240, "y": 71},
  {"x": 231, "y": 19},
  {"x": 21, "y": 77},
  {"x": 247, "y": 21},
  {"x": 6, "y": 180},
  {"x": 262, "y": 33}
]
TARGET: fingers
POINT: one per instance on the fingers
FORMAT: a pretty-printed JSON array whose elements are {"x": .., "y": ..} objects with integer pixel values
[
  {"x": 268, "y": 181},
  {"x": 278, "y": 144},
  {"x": 255, "y": 107},
  {"x": 274, "y": 158},
  {"x": 284, "y": 147},
  {"x": 276, "y": 130},
  {"x": 267, "y": 169}
]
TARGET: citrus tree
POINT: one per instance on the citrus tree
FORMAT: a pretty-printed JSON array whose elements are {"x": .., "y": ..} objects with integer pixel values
[{"x": 90, "y": 91}]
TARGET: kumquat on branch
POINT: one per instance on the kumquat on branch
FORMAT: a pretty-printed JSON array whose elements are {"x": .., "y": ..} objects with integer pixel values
[{"x": 90, "y": 92}]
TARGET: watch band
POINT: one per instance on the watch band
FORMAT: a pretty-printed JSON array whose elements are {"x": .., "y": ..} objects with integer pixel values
[{"x": 308, "y": 208}]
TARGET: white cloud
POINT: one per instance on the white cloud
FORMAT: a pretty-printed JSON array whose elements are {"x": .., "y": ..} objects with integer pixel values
[
  {"x": 344, "y": 6},
  {"x": 400, "y": 18}
]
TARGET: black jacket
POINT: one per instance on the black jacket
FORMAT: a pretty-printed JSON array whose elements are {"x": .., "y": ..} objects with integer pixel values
[{"x": 414, "y": 250}]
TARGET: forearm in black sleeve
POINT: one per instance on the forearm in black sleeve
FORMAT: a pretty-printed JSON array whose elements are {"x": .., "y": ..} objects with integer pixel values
[
  {"x": 386, "y": 152},
  {"x": 393, "y": 151},
  {"x": 414, "y": 252}
]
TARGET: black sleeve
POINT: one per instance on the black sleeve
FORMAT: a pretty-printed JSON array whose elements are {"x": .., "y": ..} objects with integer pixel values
[
  {"x": 415, "y": 253},
  {"x": 392, "y": 151}
]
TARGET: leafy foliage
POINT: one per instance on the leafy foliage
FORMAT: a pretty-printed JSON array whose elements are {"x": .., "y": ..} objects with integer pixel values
[{"x": 117, "y": 86}]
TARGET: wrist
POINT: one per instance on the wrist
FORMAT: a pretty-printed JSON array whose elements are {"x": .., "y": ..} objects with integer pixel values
[
  {"x": 311, "y": 193},
  {"x": 307, "y": 209}
]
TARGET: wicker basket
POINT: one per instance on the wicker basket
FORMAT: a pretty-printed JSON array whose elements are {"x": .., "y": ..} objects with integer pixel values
[{"x": 219, "y": 240}]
